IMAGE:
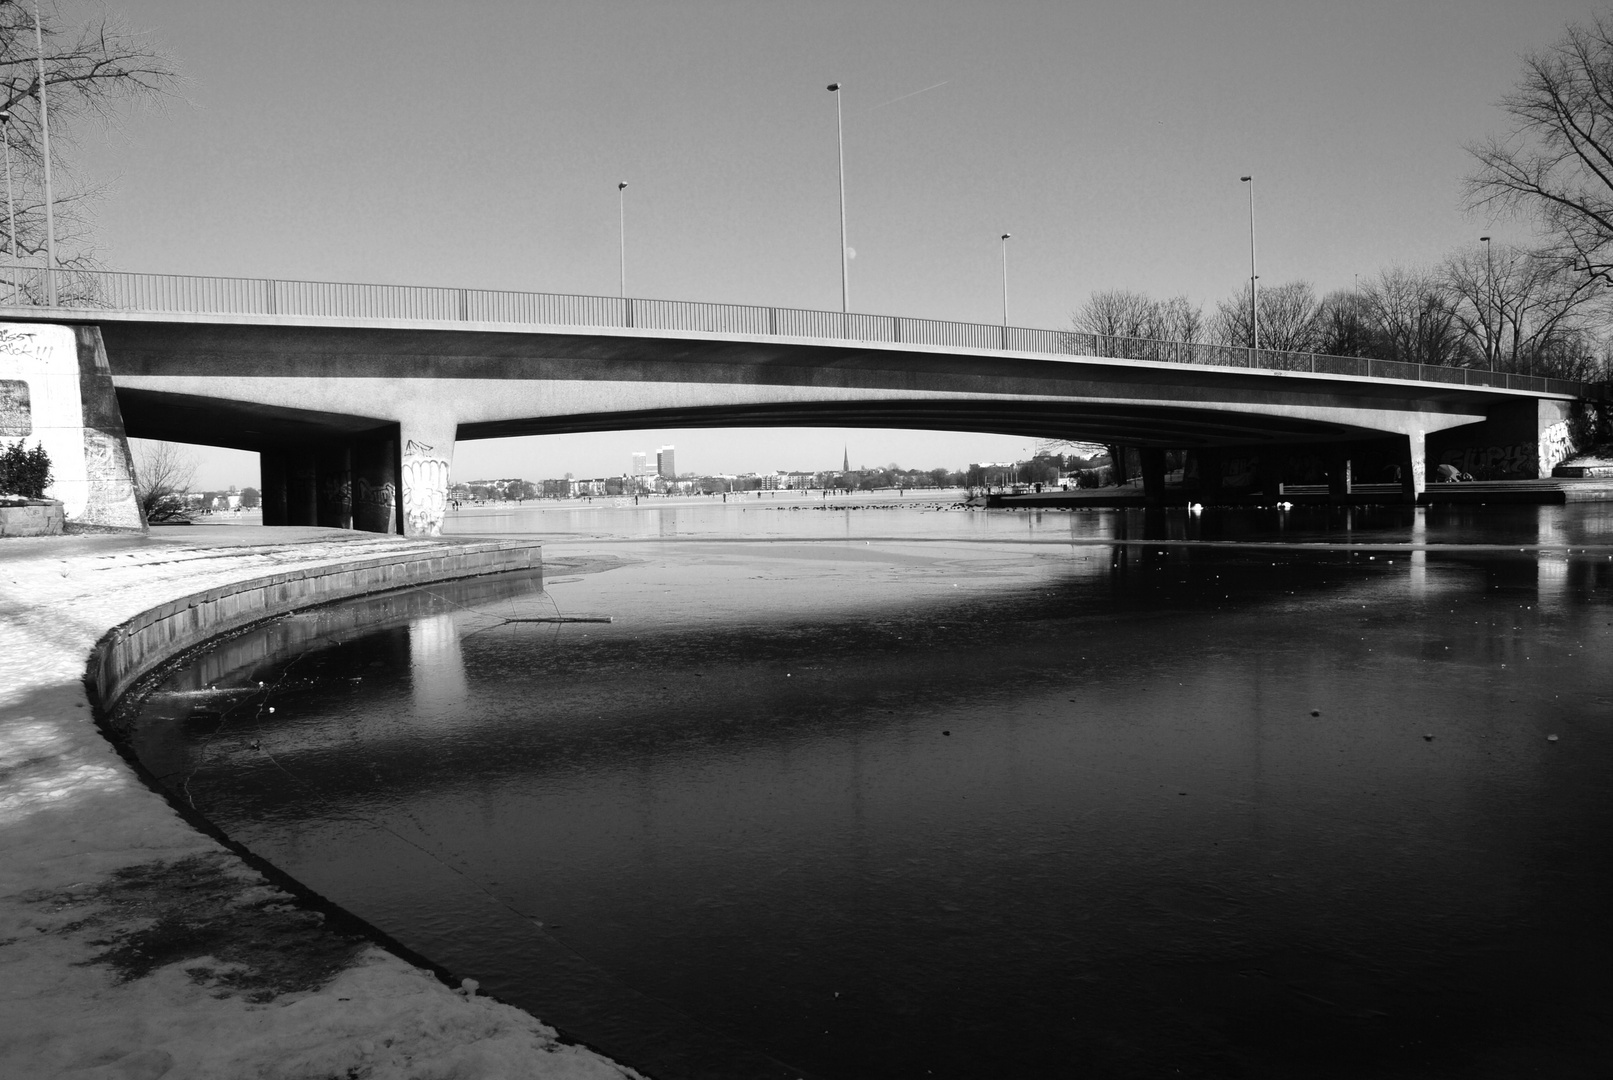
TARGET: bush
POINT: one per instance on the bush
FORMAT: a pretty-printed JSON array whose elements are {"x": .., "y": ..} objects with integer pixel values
[{"x": 24, "y": 472}]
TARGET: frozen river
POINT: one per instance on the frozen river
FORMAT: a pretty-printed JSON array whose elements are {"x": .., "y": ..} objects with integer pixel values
[{"x": 919, "y": 792}]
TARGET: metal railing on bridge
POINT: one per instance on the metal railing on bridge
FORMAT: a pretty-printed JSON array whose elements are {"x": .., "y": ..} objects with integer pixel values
[{"x": 181, "y": 294}]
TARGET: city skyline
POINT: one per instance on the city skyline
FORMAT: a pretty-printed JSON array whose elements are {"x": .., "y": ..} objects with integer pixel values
[{"x": 821, "y": 450}]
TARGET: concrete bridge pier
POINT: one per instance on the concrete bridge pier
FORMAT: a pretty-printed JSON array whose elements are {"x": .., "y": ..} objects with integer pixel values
[
  {"x": 1339, "y": 480},
  {"x": 272, "y": 486},
  {"x": 1153, "y": 463},
  {"x": 427, "y": 442},
  {"x": 1212, "y": 470},
  {"x": 1413, "y": 462},
  {"x": 1269, "y": 470},
  {"x": 302, "y": 488},
  {"x": 375, "y": 485},
  {"x": 333, "y": 467}
]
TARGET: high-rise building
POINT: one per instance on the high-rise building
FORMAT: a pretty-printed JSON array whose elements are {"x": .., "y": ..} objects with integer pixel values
[
  {"x": 641, "y": 464},
  {"x": 663, "y": 464}
]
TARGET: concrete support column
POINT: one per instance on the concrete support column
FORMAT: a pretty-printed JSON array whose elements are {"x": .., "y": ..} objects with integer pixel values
[
  {"x": 1117, "y": 462},
  {"x": 272, "y": 486},
  {"x": 1413, "y": 462},
  {"x": 302, "y": 487},
  {"x": 1153, "y": 463},
  {"x": 334, "y": 468},
  {"x": 375, "y": 485},
  {"x": 1212, "y": 468},
  {"x": 1270, "y": 469},
  {"x": 427, "y": 452},
  {"x": 1339, "y": 481}
]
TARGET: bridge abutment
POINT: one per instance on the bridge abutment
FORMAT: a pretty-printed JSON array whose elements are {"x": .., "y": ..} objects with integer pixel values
[{"x": 1519, "y": 440}]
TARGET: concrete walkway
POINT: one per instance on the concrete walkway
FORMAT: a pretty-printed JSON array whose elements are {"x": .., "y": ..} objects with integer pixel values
[{"x": 133, "y": 946}]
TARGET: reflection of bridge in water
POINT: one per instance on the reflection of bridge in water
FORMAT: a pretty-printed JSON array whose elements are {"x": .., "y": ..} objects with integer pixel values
[{"x": 355, "y": 395}]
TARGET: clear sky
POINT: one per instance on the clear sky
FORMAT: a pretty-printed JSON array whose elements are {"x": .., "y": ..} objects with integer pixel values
[{"x": 480, "y": 144}]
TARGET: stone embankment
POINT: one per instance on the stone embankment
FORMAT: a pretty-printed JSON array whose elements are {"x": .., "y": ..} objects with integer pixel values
[{"x": 134, "y": 946}]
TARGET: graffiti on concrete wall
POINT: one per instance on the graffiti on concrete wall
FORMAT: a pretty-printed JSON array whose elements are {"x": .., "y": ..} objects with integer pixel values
[
  {"x": 1494, "y": 462},
  {"x": 1556, "y": 447},
  {"x": 368, "y": 494},
  {"x": 425, "y": 490},
  {"x": 337, "y": 490},
  {"x": 111, "y": 495}
]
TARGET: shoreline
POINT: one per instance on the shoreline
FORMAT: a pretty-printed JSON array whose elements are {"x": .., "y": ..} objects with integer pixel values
[{"x": 132, "y": 943}]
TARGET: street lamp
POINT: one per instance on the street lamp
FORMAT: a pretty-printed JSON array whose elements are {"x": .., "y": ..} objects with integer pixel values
[
  {"x": 1254, "y": 275},
  {"x": 1005, "y": 278},
  {"x": 44, "y": 130},
  {"x": 840, "y": 139},
  {"x": 11, "y": 208},
  {"x": 621, "y": 230},
  {"x": 1494, "y": 346}
]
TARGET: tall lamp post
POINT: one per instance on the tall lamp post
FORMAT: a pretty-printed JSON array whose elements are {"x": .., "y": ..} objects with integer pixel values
[
  {"x": 1005, "y": 278},
  {"x": 11, "y": 206},
  {"x": 1493, "y": 346},
  {"x": 1254, "y": 274},
  {"x": 44, "y": 134},
  {"x": 840, "y": 140},
  {"x": 621, "y": 230}
]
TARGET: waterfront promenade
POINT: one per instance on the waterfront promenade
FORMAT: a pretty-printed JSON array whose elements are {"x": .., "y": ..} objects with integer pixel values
[{"x": 133, "y": 945}]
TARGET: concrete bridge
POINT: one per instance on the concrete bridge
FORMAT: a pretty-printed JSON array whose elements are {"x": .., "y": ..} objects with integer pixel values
[{"x": 355, "y": 396}]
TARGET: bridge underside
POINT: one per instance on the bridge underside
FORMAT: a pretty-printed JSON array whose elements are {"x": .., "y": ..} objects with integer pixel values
[{"x": 356, "y": 424}]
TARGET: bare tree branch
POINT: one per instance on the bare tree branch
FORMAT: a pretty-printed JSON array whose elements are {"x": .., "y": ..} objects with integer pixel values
[
  {"x": 1557, "y": 162},
  {"x": 93, "y": 73}
]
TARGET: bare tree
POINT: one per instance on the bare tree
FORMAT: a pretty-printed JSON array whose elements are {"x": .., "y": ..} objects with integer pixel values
[
  {"x": 1557, "y": 161},
  {"x": 91, "y": 72},
  {"x": 1136, "y": 326},
  {"x": 1344, "y": 327},
  {"x": 163, "y": 476},
  {"x": 1520, "y": 310},
  {"x": 1176, "y": 319},
  {"x": 1413, "y": 317},
  {"x": 1288, "y": 318},
  {"x": 1115, "y": 313}
]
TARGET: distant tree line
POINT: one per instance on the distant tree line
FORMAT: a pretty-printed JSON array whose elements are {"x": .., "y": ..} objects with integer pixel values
[{"x": 1510, "y": 309}]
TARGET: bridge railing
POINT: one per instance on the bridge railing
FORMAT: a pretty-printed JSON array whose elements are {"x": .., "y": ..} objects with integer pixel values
[{"x": 181, "y": 294}]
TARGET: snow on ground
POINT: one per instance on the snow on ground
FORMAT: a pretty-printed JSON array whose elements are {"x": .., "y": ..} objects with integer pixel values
[{"x": 134, "y": 947}]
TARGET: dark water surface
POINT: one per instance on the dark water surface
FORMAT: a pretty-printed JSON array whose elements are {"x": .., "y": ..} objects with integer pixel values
[{"x": 906, "y": 793}]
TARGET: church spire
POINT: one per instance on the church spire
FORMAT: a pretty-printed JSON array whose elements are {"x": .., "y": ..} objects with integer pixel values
[{"x": 845, "y": 460}]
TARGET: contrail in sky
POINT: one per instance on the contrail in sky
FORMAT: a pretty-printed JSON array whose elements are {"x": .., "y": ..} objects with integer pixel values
[{"x": 904, "y": 97}]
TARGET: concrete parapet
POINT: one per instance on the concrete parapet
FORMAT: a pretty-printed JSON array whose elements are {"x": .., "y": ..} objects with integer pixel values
[
  {"x": 138, "y": 646},
  {"x": 36, "y": 517}
]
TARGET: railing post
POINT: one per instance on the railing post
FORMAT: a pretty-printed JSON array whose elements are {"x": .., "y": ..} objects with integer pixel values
[
  {"x": 268, "y": 297},
  {"x": 772, "y": 321},
  {"x": 464, "y": 308},
  {"x": 628, "y": 306}
]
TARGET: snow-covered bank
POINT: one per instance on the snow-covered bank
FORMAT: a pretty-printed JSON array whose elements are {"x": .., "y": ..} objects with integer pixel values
[{"x": 134, "y": 946}]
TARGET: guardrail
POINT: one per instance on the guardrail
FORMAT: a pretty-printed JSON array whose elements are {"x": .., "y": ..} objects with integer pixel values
[{"x": 180, "y": 294}]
